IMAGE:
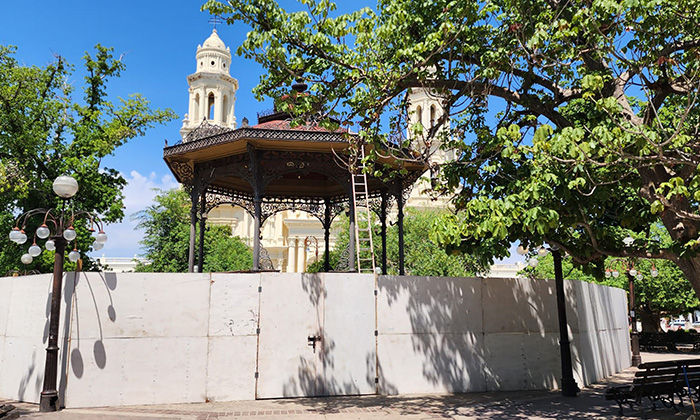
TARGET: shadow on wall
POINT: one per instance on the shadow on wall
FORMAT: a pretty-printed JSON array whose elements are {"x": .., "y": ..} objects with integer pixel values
[
  {"x": 521, "y": 331},
  {"x": 339, "y": 355},
  {"x": 77, "y": 298},
  {"x": 437, "y": 334},
  {"x": 435, "y": 324}
]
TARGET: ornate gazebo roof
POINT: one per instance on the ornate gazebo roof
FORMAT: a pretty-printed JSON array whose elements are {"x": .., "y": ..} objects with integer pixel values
[
  {"x": 299, "y": 163},
  {"x": 275, "y": 166}
]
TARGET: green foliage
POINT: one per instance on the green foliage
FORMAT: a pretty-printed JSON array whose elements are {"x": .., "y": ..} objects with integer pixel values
[
  {"x": 668, "y": 294},
  {"x": 167, "y": 235},
  {"x": 423, "y": 257},
  {"x": 598, "y": 136},
  {"x": 45, "y": 132}
]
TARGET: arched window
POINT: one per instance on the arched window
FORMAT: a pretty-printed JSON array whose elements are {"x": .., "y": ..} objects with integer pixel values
[
  {"x": 196, "y": 108},
  {"x": 419, "y": 115},
  {"x": 210, "y": 106},
  {"x": 432, "y": 116}
]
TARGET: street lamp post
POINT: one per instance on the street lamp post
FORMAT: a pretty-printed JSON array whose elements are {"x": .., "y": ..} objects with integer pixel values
[
  {"x": 634, "y": 334},
  {"x": 569, "y": 387},
  {"x": 632, "y": 274},
  {"x": 58, "y": 236}
]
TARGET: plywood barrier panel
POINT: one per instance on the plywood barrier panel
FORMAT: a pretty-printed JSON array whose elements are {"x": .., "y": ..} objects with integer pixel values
[
  {"x": 431, "y": 363},
  {"x": 231, "y": 368},
  {"x": 290, "y": 311},
  {"x": 418, "y": 305},
  {"x": 25, "y": 336},
  {"x": 129, "y": 305},
  {"x": 348, "y": 347},
  {"x": 519, "y": 305},
  {"x": 518, "y": 361},
  {"x": 233, "y": 321},
  {"x": 139, "y": 370},
  {"x": 234, "y": 309}
]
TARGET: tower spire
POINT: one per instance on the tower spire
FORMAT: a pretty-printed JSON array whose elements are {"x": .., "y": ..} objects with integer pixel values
[{"x": 215, "y": 20}]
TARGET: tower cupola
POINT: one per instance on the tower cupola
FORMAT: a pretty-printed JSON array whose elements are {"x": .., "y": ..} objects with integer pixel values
[
  {"x": 212, "y": 91},
  {"x": 213, "y": 56}
]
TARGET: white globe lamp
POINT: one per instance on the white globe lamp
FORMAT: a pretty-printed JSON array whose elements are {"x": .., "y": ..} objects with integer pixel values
[
  {"x": 34, "y": 250},
  {"x": 43, "y": 231},
  {"x": 74, "y": 255},
  {"x": 65, "y": 186},
  {"x": 69, "y": 234}
]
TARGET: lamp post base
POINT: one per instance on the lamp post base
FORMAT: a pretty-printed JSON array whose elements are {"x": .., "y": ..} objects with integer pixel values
[
  {"x": 569, "y": 387},
  {"x": 636, "y": 360},
  {"x": 49, "y": 401}
]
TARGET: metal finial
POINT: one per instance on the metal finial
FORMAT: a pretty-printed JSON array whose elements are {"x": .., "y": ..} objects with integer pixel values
[{"x": 216, "y": 20}]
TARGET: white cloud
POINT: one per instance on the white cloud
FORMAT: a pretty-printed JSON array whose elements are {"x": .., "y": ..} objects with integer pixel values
[{"x": 138, "y": 194}]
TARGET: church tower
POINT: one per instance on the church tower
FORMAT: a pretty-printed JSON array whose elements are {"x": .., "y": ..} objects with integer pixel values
[
  {"x": 425, "y": 107},
  {"x": 212, "y": 89}
]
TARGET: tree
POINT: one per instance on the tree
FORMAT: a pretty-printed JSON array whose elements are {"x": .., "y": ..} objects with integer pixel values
[
  {"x": 45, "y": 133},
  {"x": 167, "y": 233},
  {"x": 668, "y": 294},
  {"x": 576, "y": 121},
  {"x": 422, "y": 256}
]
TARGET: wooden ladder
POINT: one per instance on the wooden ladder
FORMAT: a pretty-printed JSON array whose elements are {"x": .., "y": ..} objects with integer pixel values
[{"x": 364, "y": 245}]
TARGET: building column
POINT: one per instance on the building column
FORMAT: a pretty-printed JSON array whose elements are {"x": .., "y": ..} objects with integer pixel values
[
  {"x": 194, "y": 197},
  {"x": 399, "y": 205},
  {"x": 256, "y": 232},
  {"x": 257, "y": 202},
  {"x": 327, "y": 235},
  {"x": 382, "y": 216},
  {"x": 203, "y": 108},
  {"x": 202, "y": 227},
  {"x": 218, "y": 107}
]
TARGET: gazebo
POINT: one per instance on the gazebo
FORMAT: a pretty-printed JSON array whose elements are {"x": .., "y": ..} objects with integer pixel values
[{"x": 275, "y": 166}]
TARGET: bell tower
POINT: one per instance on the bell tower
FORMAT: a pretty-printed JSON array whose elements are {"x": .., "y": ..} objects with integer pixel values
[
  {"x": 212, "y": 90},
  {"x": 425, "y": 107}
]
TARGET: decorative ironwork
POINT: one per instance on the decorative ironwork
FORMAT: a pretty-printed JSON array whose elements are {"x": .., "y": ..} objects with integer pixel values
[
  {"x": 183, "y": 171},
  {"x": 216, "y": 198},
  {"x": 252, "y": 133},
  {"x": 236, "y": 166},
  {"x": 265, "y": 261},
  {"x": 376, "y": 204},
  {"x": 314, "y": 206},
  {"x": 343, "y": 264},
  {"x": 266, "y": 113},
  {"x": 205, "y": 130}
]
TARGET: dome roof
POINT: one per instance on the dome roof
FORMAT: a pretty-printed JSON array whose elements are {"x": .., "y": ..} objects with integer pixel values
[{"x": 214, "y": 42}]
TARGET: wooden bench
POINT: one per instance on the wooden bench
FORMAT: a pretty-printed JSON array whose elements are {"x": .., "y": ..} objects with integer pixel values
[
  {"x": 659, "y": 382},
  {"x": 668, "y": 341}
]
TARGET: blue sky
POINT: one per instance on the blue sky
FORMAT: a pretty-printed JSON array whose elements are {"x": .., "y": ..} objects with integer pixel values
[{"x": 158, "y": 40}]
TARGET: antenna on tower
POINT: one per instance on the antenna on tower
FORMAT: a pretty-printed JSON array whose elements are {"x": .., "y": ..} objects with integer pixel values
[{"x": 216, "y": 20}]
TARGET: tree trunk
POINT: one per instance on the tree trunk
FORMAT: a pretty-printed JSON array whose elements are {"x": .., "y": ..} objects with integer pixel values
[{"x": 651, "y": 320}]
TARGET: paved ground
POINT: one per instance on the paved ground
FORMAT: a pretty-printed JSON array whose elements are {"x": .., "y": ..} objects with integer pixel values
[{"x": 589, "y": 404}]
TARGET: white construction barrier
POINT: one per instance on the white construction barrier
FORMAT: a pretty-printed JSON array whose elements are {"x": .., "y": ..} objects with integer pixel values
[{"x": 148, "y": 338}]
